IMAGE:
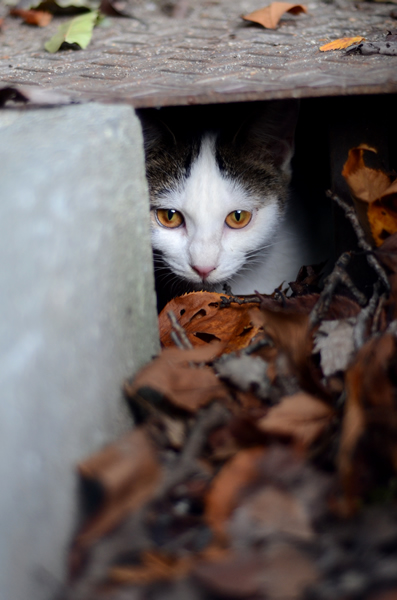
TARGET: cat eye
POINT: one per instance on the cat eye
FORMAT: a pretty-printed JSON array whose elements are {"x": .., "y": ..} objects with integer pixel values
[
  {"x": 169, "y": 217},
  {"x": 238, "y": 219}
]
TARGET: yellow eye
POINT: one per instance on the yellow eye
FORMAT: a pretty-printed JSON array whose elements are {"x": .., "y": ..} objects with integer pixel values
[
  {"x": 168, "y": 217},
  {"x": 238, "y": 219}
]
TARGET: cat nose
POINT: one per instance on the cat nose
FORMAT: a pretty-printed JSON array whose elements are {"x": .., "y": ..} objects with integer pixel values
[{"x": 203, "y": 271}]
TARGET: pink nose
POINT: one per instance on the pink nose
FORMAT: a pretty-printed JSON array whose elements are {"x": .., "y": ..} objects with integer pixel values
[{"x": 203, "y": 271}]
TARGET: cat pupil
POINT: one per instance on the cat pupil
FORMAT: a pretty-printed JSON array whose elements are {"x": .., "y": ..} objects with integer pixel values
[
  {"x": 237, "y": 215},
  {"x": 171, "y": 214}
]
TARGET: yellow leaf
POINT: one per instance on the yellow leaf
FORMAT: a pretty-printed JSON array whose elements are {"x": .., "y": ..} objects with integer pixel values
[
  {"x": 341, "y": 43},
  {"x": 269, "y": 16}
]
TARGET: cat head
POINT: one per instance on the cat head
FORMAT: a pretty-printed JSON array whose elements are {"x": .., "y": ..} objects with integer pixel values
[{"x": 218, "y": 181}]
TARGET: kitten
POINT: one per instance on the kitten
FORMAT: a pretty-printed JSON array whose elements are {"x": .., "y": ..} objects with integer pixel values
[{"x": 219, "y": 193}]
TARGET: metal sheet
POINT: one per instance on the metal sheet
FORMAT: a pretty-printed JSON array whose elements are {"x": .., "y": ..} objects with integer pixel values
[{"x": 210, "y": 56}]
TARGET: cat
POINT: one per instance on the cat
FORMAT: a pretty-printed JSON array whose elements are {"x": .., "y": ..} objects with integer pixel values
[{"x": 219, "y": 181}]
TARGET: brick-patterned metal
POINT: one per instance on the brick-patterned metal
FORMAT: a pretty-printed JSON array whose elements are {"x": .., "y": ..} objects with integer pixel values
[{"x": 209, "y": 56}]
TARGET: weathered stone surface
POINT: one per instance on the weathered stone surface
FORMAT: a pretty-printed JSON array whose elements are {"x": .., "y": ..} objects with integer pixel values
[{"x": 77, "y": 313}]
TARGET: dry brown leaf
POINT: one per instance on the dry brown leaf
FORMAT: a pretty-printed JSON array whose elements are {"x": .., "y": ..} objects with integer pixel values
[
  {"x": 185, "y": 386},
  {"x": 374, "y": 193},
  {"x": 40, "y": 18},
  {"x": 224, "y": 494},
  {"x": 341, "y": 43},
  {"x": 301, "y": 417},
  {"x": 269, "y": 511},
  {"x": 127, "y": 474},
  {"x": 200, "y": 315},
  {"x": 269, "y": 16},
  {"x": 288, "y": 330},
  {"x": 370, "y": 410},
  {"x": 280, "y": 572},
  {"x": 365, "y": 183},
  {"x": 154, "y": 567}
]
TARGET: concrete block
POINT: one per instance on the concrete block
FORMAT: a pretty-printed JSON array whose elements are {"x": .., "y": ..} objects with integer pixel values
[{"x": 77, "y": 316}]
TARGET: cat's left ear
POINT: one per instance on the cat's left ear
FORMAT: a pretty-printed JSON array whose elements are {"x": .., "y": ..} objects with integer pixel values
[{"x": 272, "y": 131}]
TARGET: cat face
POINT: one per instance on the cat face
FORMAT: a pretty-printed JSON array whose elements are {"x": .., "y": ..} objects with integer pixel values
[
  {"x": 209, "y": 225},
  {"x": 217, "y": 194}
]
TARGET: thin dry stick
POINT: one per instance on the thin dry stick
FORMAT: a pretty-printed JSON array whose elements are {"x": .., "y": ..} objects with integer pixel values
[
  {"x": 359, "y": 332},
  {"x": 228, "y": 300},
  {"x": 362, "y": 242},
  {"x": 378, "y": 312},
  {"x": 337, "y": 276},
  {"x": 178, "y": 334}
]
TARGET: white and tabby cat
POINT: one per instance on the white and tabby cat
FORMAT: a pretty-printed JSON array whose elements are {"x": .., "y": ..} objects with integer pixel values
[{"x": 219, "y": 191}]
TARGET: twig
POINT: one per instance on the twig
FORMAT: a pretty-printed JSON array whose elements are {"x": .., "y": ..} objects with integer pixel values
[
  {"x": 178, "y": 334},
  {"x": 362, "y": 242},
  {"x": 214, "y": 416},
  {"x": 227, "y": 300},
  {"x": 378, "y": 312},
  {"x": 363, "y": 317},
  {"x": 337, "y": 276}
]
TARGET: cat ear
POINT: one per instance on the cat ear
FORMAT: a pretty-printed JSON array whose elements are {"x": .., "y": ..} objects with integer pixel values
[
  {"x": 270, "y": 131},
  {"x": 155, "y": 130}
]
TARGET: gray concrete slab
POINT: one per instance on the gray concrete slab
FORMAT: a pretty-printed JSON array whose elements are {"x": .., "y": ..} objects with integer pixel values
[{"x": 77, "y": 316}]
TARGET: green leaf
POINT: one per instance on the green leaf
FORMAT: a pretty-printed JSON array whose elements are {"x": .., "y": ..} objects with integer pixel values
[{"x": 76, "y": 31}]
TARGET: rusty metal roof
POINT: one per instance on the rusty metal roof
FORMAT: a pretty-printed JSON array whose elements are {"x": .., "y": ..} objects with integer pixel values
[{"x": 209, "y": 56}]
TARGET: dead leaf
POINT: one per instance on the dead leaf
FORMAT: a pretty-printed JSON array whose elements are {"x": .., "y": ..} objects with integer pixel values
[
  {"x": 365, "y": 183},
  {"x": 374, "y": 194},
  {"x": 182, "y": 384},
  {"x": 269, "y": 16},
  {"x": 154, "y": 567},
  {"x": 205, "y": 321},
  {"x": 40, "y": 18},
  {"x": 288, "y": 330},
  {"x": 280, "y": 572},
  {"x": 370, "y": 410},
  {"x": 124, "y": 475},
  {"x": 270, "y": 511},
  {"x": 334, "y": 341},
  {"x": 300, "y": 417},
  {"x": 341, "y": 43},
  {"x": 116, "y": 8},
  {"x": 247, "y": 373},
  {"x": 227, "y": 486}
]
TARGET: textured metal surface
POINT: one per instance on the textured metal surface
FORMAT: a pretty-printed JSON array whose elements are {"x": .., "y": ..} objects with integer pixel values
[{"x": 209, "y": 56}]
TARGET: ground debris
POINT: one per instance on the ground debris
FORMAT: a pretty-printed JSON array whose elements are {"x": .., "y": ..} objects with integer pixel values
[{"x": 264, "y": 463}]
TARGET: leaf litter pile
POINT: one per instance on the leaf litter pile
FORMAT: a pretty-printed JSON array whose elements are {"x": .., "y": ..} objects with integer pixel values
[{"x": 263, "y": 464}]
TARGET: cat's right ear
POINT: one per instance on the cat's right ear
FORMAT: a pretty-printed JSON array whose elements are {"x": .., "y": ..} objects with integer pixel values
[{"x": 155, "y": 131}]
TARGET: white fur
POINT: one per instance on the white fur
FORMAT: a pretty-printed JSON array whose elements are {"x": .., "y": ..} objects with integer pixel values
[{"x": 205, "y": 241}]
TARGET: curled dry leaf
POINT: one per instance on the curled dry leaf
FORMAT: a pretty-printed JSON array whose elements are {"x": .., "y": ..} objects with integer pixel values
[
  {"x": 300, "y": 417},
  {"x": 281, "y": 572},
  {"x": 154, "y": 567},
  {"x": 341, "y": 43},
  {"x": 124, "y": 475},
  {"x": 228, "y": 485},
  {"x": 288, "y": 330},
  {"x": 374, "y": 193},
  {"x": 370, "y": 410},
  {"x": 269, "y": 511},
  {"x": 40, "y": 18},
  {"x": 335, "y": 343},
  {"x": 174, "y": 377},
  {"x": 269, "y": 16},
  {"x": 205, "y": 321}
]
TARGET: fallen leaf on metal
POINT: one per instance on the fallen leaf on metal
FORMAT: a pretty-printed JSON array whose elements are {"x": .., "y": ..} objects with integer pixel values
[
  {"x": 76, "y": 31},
  {"x": 341, "y": 43},
  {"x": 40, "y": 18},
  {"x": 269, "y": 16}
]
